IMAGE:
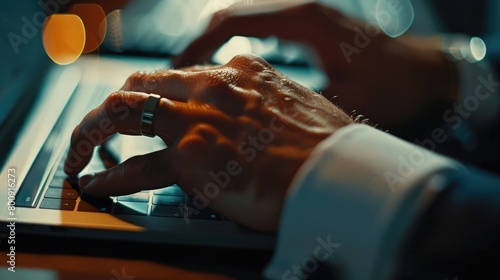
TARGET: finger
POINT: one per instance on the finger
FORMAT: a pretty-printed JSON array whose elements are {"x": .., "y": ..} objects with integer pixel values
[
  {"x": 121, "y": 112},
  {"x": 173, "y": 84},
  {"x": 151, "y": 171},
  {"x": 260, "y": 22},
  {"x": 201, "y": 83}
]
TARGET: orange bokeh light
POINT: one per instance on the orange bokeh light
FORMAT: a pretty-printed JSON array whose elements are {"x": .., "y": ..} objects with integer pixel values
[
  {"x": 63, "y": 38},
  {"x": 94, "y": 21}
]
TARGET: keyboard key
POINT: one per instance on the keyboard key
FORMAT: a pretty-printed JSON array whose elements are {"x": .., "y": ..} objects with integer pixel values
[
  {"x": 95, "y": 199},
  {"x": 136, "y": 197},
  {"x": 61, "y": 193},
  {"x": 131, "y": 208},
  {"x": 204, "y": 214},
  {"x": 180, "y": 211},
  {"x": 168, "y": 200},
  {"x": 84, "y": 206},
  {"x": 60, "y": 183},
  {"x": 73, "y": 181},
  {"x": 171, "y": 190},
  {"x": 95, "y": 204},
  {"x": 167, "y": 211},
  {"x": 201, "y": 213},
  {"x": 60, "y": 173},
  {"x": 59, "y": 204}
]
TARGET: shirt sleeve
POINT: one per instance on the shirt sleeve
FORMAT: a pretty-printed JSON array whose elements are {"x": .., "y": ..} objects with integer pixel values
[{"x": 352, "y": 202}]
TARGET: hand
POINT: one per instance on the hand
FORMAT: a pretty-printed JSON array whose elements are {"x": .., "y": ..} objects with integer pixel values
[
  {"x": 388, "y": 80},
  {"x": 237, "y": 134}
]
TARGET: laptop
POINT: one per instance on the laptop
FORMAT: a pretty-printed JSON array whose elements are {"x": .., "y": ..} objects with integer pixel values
[{"x": 38, "y": 198}]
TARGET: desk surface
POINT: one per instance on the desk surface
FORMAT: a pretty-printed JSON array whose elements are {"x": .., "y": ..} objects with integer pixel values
[{"x": 49, "y": 258}]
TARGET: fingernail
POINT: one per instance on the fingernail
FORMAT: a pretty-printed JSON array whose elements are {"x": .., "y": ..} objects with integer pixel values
[{"x": 84, "y": 180}]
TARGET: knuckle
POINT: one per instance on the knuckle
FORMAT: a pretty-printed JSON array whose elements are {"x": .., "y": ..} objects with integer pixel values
[
  {"x": 135, "y": 80},
  {"x": 150, "y": 83},
  {"x": 221, "y": 17},
  {"x": 115, "y": 97},
  {"x": 245, "y": 58},
  {"x": 222, "y": 78},
  {"x": 312, "y": 6},
  {"x": 206, "y": 131},
  {"x": 144, "y": 80},
  {"x": 249, "y": 61},
  {"x": 118, "y": 107},
  {"x": 199, "y": 137},
  {"x": 202, "y": 135},
  {"x": 176, "y": 75},
  {"x": 112, "y": 102},
  {"x": 218, "y": 85}
]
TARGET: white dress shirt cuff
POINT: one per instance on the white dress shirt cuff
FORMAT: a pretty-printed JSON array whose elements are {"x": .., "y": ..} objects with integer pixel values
[{"x": 352, "y": 202}]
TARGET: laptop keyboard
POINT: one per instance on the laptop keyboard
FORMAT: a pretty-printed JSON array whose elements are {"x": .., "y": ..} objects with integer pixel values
[{"x": 63, "y": 194}]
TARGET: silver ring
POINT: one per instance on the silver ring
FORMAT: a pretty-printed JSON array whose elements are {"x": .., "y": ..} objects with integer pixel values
[{"x": 148, "y": 115}]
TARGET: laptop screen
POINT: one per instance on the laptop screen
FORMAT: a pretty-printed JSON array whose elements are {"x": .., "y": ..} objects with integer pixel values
[{"x": 23, "y": 61}]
